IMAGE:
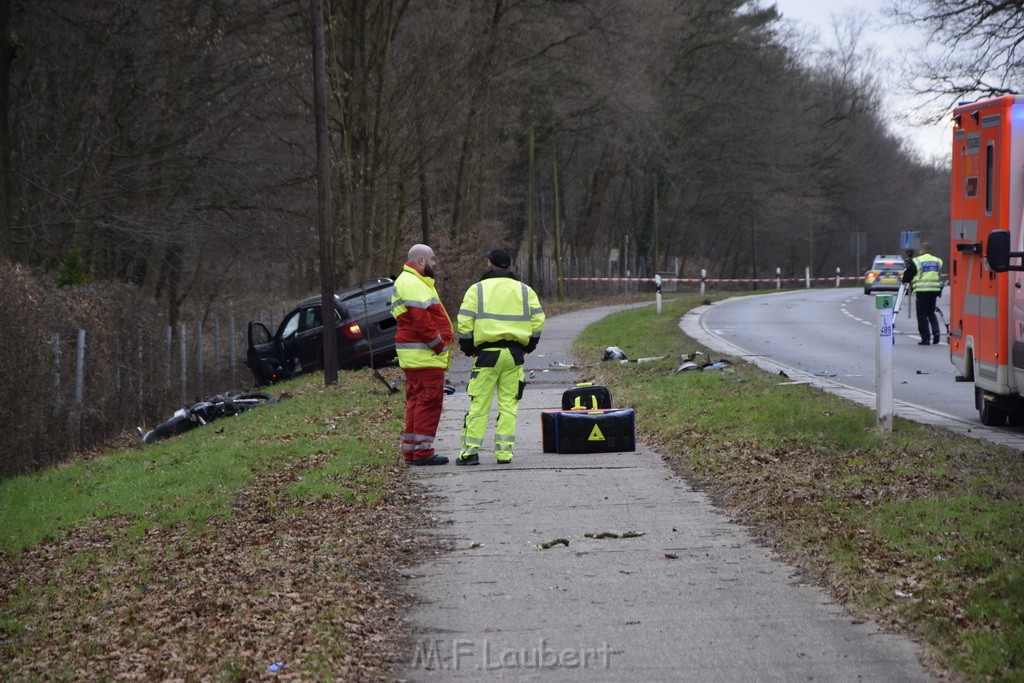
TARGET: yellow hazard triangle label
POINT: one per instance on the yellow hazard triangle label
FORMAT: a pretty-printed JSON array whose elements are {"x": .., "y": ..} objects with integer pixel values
[{"x": 595, "y": 434}]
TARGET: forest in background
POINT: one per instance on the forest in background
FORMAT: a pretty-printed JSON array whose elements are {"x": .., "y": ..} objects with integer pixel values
[
  {"x": 170, "y": 144},
  {"x": 161, "y": 152}
]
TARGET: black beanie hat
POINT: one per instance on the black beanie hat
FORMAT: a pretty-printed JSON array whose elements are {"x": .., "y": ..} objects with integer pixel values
[{"x": 499, "y": 258}]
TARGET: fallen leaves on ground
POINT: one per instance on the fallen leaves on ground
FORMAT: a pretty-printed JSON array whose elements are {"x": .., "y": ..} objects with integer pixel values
[{"x": 313, "y": 587}]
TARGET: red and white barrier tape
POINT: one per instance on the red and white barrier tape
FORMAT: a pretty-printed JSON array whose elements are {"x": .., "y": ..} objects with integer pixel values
[{"x": 711, "y": 279}]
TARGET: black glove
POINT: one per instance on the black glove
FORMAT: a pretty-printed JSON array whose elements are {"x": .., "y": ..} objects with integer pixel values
[
  {"x": 532, "y": 345},
  {"x": 467, "y": 347}
]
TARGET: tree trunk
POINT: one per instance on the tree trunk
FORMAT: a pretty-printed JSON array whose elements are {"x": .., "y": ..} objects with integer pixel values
[{"x": 6, "y": 156}]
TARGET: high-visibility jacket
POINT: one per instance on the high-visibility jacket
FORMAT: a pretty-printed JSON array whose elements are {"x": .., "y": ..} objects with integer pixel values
[
  {"x": 500, "y": 308},
  {"x": 927, "y": 277},
  {"x": 424, "y": 328}
]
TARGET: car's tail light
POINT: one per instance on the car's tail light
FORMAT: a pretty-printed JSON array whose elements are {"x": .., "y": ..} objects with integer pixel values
[{"x": 352, "y": 331}]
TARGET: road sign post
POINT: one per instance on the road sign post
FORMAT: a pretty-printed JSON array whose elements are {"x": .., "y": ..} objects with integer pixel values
[{"x": 883, "y": 362}]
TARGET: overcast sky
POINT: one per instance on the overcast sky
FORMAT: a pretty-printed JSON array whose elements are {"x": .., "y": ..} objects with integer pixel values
[{"x": 932, "y": 140}]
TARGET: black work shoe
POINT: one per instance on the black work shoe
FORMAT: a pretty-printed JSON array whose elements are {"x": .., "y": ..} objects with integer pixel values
[
  {"x": 435, "y": 459},
  {"x": 935, "y": 339},
  {"x": 469, "y": 460},
  {"x": 924, "y": 343}
]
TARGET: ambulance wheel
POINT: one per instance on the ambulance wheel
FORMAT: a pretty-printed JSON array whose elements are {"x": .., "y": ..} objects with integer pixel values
[{"x": 990, "y": 415}]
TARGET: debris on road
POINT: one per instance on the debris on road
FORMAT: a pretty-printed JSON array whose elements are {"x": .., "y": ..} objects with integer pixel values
[
  {"x": 690, "y": 363},
  {"x": 614, "y": 353},
  {"x": 643, "y": 360},
  {"x": 615, "y": 534},
  {"x": 552, "y": 544}
]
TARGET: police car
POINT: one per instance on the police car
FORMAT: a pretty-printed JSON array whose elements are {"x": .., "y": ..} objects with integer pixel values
[{"x": 885, "y": 274}]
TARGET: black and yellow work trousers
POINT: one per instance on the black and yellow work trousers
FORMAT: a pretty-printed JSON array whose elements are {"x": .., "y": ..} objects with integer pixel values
[{"x": 501, "y": 369}]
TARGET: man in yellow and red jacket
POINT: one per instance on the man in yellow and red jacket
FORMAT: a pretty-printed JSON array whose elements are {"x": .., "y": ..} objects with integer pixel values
[{"x": 421, "y": 340}]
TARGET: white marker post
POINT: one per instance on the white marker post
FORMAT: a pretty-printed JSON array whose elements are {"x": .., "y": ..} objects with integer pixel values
[
  {"x": 657, "y": 290},
  {"x": 883, "y": 363}
]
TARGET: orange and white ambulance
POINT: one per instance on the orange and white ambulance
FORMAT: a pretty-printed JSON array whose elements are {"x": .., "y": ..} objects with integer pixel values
[{"x": 986, "y": 291}]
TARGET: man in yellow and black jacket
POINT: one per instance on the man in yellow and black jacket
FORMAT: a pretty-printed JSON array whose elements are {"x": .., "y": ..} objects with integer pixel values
[
  {"x": 499, "y": 322},
  {"x": 923, "y": 275}
]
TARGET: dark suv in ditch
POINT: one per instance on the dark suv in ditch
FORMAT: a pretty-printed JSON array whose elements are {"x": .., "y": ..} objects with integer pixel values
[{"x": 365, "y": 334}]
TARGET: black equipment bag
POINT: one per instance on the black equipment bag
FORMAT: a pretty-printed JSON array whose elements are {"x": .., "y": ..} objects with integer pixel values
[{"x": 587, "y": 396}]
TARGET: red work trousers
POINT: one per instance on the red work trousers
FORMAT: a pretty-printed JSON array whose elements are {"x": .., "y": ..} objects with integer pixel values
[{"x": 424, "y": 397}]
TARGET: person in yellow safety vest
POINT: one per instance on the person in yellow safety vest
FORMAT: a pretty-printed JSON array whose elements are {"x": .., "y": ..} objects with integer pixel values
[
  {"x": 923, "y": 275},
  {"x": 421, "y": 342},
  {"x": 499, "y": 322}
]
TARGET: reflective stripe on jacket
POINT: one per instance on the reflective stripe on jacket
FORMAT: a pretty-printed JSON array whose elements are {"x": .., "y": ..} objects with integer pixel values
[
  {"x": 500, "y": 308},
  {"x": 927, "y": 277},
  {"x": 424, "y": 328}
]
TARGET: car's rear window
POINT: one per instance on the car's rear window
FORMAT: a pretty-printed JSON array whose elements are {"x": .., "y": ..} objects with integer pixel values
[{"x": 373, "y": 300}]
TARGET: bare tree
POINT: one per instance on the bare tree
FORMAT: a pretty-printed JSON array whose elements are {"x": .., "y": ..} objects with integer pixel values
[
  {"x": 977, "y": 46},
  {"x": 7, "y": 52}
]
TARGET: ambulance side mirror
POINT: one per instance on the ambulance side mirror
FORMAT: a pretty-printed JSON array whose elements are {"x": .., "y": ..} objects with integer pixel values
[{"x": 998, "y": 254}]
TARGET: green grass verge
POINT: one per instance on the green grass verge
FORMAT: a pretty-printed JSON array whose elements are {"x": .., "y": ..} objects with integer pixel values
[
  {"x": 284, "y": 517},
  {"x": 195, "y": 476},
  {"x": 918, "y": 512}
]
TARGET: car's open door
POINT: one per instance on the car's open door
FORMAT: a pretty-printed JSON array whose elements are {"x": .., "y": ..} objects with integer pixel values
[{"x": 263, "y": 355}]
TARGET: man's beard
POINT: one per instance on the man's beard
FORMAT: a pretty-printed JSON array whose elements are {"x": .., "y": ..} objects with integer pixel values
[{"x": 428, "y": 270}]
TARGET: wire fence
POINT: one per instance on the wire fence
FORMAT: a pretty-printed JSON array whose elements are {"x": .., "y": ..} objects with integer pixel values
[{"x": 90, "y": 386}]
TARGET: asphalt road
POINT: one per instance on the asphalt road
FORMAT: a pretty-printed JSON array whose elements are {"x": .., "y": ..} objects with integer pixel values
[{"x": 828, "y": 337}]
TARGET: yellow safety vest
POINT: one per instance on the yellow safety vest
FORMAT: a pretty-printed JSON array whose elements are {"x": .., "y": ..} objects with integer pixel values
[
  {"x": 927, "y": 278},
  {"x": 422, "y": 321},
  {"x": 500, "y": 309}
]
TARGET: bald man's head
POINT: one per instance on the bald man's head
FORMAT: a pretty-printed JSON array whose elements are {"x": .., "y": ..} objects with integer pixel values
[{"x": 422, "y": 258}]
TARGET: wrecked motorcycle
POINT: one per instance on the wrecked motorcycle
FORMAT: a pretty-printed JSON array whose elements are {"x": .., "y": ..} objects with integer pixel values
[{"x": 204, "y": 412}]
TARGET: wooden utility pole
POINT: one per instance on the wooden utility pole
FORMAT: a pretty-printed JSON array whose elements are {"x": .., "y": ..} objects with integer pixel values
[
  {"x": 529, "y": 215},
  {"x": 6, "y": 175},
  {"x": 558, "y": 228},
  {"x": 655, "y": 220},
  {"x": 323, "y": 197}
]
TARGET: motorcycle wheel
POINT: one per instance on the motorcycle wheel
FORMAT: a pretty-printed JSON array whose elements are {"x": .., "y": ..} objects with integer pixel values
[{"x": 173, "y": 427}]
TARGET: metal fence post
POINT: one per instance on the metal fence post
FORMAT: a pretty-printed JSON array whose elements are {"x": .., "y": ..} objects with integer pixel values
[
  {"x": 55, "y": 344},
  {"x": 199, "y": 360},
  {"x": 168, "y": 338},
  {"x": 117, "y": 365},
  {"x": 216, "y": 354},
  {"x": 183, "y": 378},
  {"x": 234, "y": 381},
  {"x": 139, "y": 365},
  {"x": 80, "y": 369},
  {"x": 79, "y": 386}
]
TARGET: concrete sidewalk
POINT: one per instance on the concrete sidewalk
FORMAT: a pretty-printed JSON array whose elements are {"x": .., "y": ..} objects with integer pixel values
[{"x": 722, "y": 609}]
